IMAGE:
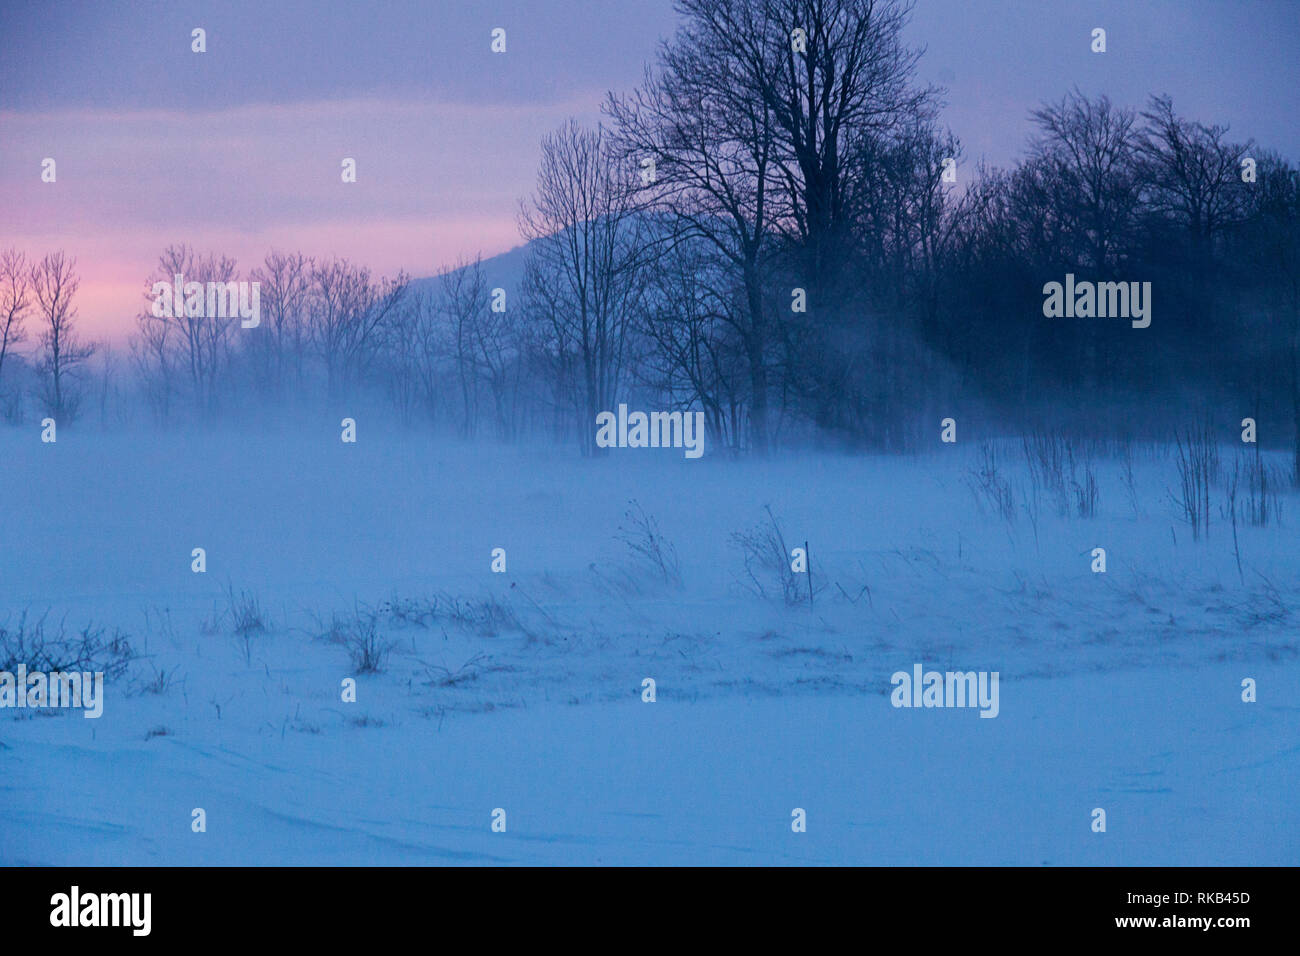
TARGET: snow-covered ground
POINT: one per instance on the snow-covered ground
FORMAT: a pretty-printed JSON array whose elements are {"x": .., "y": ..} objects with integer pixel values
[{"x": 523, "y": 690}]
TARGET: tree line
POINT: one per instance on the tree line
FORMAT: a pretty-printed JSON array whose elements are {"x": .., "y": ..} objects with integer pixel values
[{"x": 775, "y": 228}]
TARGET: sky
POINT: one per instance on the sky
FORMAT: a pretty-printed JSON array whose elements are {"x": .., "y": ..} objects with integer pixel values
[{"x": 238, "y": 149}]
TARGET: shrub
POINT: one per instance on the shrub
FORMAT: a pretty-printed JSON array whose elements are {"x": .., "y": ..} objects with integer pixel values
[
  {"x": 640, "y": 532},
  {"x": 767, "y": 559},
  {"x": 42, "y": 648}
]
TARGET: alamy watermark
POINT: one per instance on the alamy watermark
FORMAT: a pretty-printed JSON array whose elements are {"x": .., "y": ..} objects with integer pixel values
[
  {"x": 653, "y": 430},
  {"x": 74, "y": 908},
  {"x": 214, "y": 300},
  {"x": 1101, "y": 300},
  {"x": 55, "y": 689},
  {"x": 923, "y": 688}
]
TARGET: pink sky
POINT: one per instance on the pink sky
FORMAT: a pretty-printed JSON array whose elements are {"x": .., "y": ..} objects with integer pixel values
[
  {"x": 157, "y": 145},
  {"x": 434, "y": 182}
]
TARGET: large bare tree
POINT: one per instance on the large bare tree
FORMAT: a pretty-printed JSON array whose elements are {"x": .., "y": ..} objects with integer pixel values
[
  {"x": 799, "y": 93},
  {"x": 1190, "y": 173},
  {"x": 833, "y": 74},
  {"x": 1089, "y": 148},
  {"x": 708, "y": 146}
]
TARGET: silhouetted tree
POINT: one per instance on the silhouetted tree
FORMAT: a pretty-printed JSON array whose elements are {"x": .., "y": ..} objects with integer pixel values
[
  {"x": 587, "y": 258},
  {"x": 62, "y": 352}
]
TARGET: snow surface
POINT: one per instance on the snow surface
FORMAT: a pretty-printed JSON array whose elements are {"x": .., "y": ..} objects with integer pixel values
[{"x": 523, "y": 690}]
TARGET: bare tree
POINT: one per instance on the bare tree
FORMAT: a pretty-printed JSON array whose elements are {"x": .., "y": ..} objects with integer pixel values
[
  {"x": 500, "y": 360},
  {"x": 906, "y": 226},
  {"x": 1090, "y": 147},
  {"x": 587, "y": 255},
  {"x": 105, "y": 379},
  {"x": 694, "y": 311},
  {"x": 1087, "y": 151},
  {"x": 831, "y": 73},
  {"x": 820, "y": 80},
  {"x": 1273, "y": 241},
  {"x": 15, "y": 301},
  {"x": 711, "y": 146},
  {"x": 415, "y": 351},
  {"x": 448, "y": 335},
  {"x": 463, "y": 299},
  {"x": 152, "y": 356},
  {"x": 54, "y": 284},
  {"x": 1190, "y": 174},
  {"x": 279, "y": 344},
  {"x": 183, "y": 343},
  {"x": 348, "y": 315},
  {"x": 553, "y": 352}
]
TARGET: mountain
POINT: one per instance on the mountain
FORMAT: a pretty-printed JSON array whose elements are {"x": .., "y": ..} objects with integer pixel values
[{"x": 504, "y": 271}]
